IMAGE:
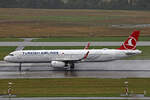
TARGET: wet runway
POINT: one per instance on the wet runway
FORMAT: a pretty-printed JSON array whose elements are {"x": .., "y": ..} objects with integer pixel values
[
  {"x": 74, "y": 74},
  {"x": 114, "y": 69},
  {"x": 144, "y": 43}
]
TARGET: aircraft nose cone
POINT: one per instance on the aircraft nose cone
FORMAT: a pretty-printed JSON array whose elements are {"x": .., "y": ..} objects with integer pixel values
[{"x": 6, "y": 58}]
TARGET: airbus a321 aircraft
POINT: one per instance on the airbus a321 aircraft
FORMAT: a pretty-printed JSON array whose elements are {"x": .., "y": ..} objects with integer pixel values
[{"x": 67, "y": 58}]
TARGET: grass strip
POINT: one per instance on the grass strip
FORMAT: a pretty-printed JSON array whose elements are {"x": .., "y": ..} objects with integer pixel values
[
  {"x": 60, "y": 18},
  {"x": 86, "y": 39},
  {"x": 74, "y": 87},
  {"x": 72, "y": 23},
  {"x": 11, "y": 40},
  {"x": 5, "y": 50}
]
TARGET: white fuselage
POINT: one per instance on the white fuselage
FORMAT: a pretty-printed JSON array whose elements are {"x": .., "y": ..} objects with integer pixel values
[{"x": 94, "y": 55}]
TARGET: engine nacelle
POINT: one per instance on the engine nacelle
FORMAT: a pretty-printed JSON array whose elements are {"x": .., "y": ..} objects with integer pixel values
[{"x": 57, "y": 64}]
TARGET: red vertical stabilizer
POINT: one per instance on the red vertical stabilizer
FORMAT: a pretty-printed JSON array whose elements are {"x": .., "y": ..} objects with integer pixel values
[{"x": 130, "y": 43}]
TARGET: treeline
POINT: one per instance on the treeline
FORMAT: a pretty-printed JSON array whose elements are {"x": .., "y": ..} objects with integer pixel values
[{"x": 77, "y": 4}]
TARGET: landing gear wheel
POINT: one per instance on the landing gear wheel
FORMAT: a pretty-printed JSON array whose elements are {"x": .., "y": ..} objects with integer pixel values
[
  {"x": 69, "y": 66},
  {"x": 72, "y": 66}
]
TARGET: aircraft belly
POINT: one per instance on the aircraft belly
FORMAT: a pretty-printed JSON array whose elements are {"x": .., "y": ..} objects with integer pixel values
[{"x": 104, "y": 57}]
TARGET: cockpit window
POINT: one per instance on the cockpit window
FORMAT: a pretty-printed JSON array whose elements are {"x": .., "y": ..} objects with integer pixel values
[{"x": 11, "y": 54}]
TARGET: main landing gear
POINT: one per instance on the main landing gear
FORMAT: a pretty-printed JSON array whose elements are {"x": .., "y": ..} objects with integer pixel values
[
  {"x": 69, "y": 66},
  {"x": 72, "y": 66},
  {"x": 20, "y": 64}
]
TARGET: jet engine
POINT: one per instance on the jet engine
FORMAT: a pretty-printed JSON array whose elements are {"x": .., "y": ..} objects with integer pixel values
[{"x": 57, "y": 64}]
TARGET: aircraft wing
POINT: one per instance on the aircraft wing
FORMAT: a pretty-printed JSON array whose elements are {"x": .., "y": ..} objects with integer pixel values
[{"x": 73, "y": 58}]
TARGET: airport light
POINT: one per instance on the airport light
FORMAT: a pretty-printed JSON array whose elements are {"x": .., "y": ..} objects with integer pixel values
[
  {"x": 144, "y": 92},
  {"x": 126, "y": 82},
  {"x": 10, "y": 83},
  {"x": 9, "y": 89},
  {"x": 126, "y": 88}
]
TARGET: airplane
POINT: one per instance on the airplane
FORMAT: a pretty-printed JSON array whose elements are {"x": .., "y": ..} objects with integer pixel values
[{"x": 67, "y": 58}]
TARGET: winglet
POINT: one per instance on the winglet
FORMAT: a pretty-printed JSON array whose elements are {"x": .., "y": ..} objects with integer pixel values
[
  {"x": 88, "y": 45},
  {"x": 85, "y": 56},
  {"x": 130, "y": 43}
]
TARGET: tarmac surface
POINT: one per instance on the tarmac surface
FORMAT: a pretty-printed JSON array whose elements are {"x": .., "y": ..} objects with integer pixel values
[
  {"x": 25, "y": 40},
  {"x": 114, "y": 69},
  {"x": 145, "y": 43}
]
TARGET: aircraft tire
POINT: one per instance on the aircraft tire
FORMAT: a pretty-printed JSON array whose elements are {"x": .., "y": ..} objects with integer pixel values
[{"x": 72, "y": 66}]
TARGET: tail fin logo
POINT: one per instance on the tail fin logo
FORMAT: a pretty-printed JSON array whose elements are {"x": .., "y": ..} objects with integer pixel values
[{"x": 130, "y": 43}]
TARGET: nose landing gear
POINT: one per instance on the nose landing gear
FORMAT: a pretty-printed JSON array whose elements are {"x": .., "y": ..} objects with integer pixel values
[{"x": 20, "y": 64}]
